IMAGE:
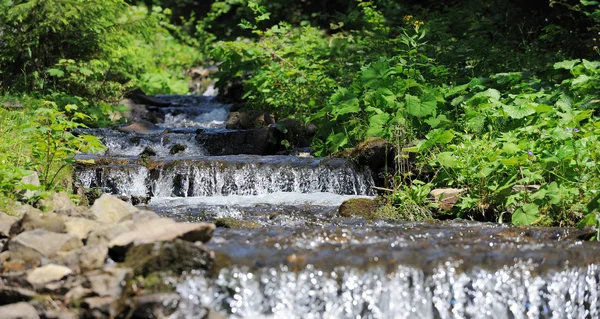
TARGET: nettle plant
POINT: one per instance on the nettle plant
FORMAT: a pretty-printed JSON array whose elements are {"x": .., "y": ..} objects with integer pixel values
[{"x": 531, "y": 153}]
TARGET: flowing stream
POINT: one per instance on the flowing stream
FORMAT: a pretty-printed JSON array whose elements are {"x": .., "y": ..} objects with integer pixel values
[{"x": 294, "y": 257}]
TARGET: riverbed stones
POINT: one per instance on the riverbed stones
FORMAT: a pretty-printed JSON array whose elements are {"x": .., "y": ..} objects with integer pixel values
[
  {"x": 32, "y": 246},
  {"x": 109, "y": 281},
  {"x": 83, "y": 259},
  {"x": 32, "y": 181},
  {"x": 107, "y": 232},
  {"x": 10, "y": 295},
  {"x": 110, "y": 209},
  {"x": 81, "y": 227},
  {"x": 20, "y": 310},
  {"x": 48, "y": 273},
  {"x": 159, "y": 305},
  {"x": 57, "y": 202}
]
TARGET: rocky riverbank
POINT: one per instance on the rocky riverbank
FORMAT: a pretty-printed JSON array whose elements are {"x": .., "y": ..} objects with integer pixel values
[{"x": 109, "y": 260}]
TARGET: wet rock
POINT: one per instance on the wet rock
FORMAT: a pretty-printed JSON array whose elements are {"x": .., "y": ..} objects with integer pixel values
[
  {"x": 31, "y": 246},
  {"x": 83, "y": 259},
  {"x": 105, "y": 233},
  {"x": 446, "y": 198},
  {"x": 110, "y": 209},
  {"x": 57, "y": 202},
  {"x": 137, "y": 112},
  {"x": 142, "y": 127},
  {"x": 249, "y": 120},
  {"x": 175, "y": 257},
  {"x": 81, "y": 227},
  {"x": 21, "y": 310},
  {"x": 10, "y": 295},
  {"x": 6, "y": 222},
  {"x": 155, "y": 306},
  {"x": 295, "y": 132},
  {"x": 48, "y": 273},
  {"x": 364, "y": 207},
  {"x": 138, "y": 96},
  {"x": 135, "y": 200},
  {"x": 162, "y": 229},
  {"x": 229, "y": 222},
  {"x": 109, "y": 282},
  {"x": 37, "y": 220},
  {"x": 255, "y": 141},
  {"x": 148, "y": 151},
  {"x": 376, "y": 153},
  {"x": 32, "y": 180},
  {"x": 177, "y": 148}
]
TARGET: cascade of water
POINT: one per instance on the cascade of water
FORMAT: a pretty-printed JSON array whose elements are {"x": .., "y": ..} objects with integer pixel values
[{"x": 510, "y": 292}]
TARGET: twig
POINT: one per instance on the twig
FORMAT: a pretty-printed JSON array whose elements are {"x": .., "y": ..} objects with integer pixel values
[{"x": 382, "y": 189}]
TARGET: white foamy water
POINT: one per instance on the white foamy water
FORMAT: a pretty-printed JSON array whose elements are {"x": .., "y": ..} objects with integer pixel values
[
  {"x": 510, "y": 292},
  {"x": 277, "y": 198},
  {"x": 215, "y": 118}
]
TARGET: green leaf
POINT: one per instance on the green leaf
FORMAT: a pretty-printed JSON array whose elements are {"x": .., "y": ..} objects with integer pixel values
[
  {"x": 378, "y": 125},
  {"x": 518, "y": 111},
  {"x": 447, "y": 159},
  {"x": 422, "y": 107},
  {"x": 525, "y": 215},
  {"x": 56, "y": 72},
  {"x": 567, "y": 64},
  {"x": 375, "y": 72},
  {"x": 581, "y": 80},
  {"x": 336, "y": 141},
  {"x": 511, "y": 148},
  {"x": 344, "y": 102},
  {"x": 588, "y": 220}
]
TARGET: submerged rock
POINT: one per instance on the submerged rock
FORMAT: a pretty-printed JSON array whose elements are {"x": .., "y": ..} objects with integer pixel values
[
  {"x": 229, "y": 222},
  {"x": 364, "y": 207}
]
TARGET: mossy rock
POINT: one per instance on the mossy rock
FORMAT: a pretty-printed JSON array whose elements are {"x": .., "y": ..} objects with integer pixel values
[
  {"x": 363, "y": 207},
  {"x": 175, "y": 257},
  {"x": 228, "y": 222}
]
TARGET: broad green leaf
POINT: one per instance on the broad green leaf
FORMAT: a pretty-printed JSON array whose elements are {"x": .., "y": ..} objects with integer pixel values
[
  {"x": 56, "y": 72},
  {"x": 525, "y": 215},
  {"x": 336, "y": 141},
  {"x": 375, "y": 72},
  {"x": 344, "y": 102},
  {"x": 581, "y": 80},
  {"x": 591, "y": 65},
  {"x": 588, "y": 220},
  {"x": 518, "y": 111},
  {"x": 378, "y": 125},
  {"x": 567, "y": 64},
  {"x": 511, "y": 148},
  {"x": 447, "y": 159},
  {"x": 422, "y": 107}
]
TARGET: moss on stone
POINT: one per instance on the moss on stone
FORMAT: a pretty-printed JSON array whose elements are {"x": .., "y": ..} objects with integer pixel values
[
  {"x": 228, "y": 222},
  {"x": 363, "y": 207}
]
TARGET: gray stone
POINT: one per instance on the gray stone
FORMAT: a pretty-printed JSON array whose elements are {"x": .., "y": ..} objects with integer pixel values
[
  {"x": 19, "y": 210},
  {"x": 57, "y": 202},
  {"x": 48, "y": 273},
  {"x": 31, "y": 246},
  {"x": 81, "y": 227},
  {"x": 110, "y": 209},
  {"x": 38, "y": 220},
  {"x": 31, "y": 180},
  {"x": 156, "y": 305},
  {"x": 172, "y": 257},
  {"x": 163, "y": 229},
  {"x": 21, "y": 310},
  {"x": 101, "y": 307},
  {"x": 6, "y": 222},
  {"x": 446, "y": 198},
  {"x": 84, "y": 259},
  {"x": 105, "y": 233},
  {"x": 77, "y": 293},
  {"x": 141, "y": 216},
  {"x": 109, "y": 282}
]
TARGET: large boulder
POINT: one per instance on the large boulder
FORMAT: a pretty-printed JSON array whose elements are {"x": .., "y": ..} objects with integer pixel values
[
  {"x": 38, "y": 220},
  {"x": 364, "y": 207},
  {"x": 249, "y": 120},
  {"x": 34, "y": 245},
  {"x": 110, "y": 209},
  {"x": 161, "y": 229},
  {"x": 255, "y": 141}
]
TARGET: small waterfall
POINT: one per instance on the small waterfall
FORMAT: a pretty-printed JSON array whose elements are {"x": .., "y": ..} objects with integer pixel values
[
  {"x": 510, "y": 292},
  {"x": 236, "y": 175}
]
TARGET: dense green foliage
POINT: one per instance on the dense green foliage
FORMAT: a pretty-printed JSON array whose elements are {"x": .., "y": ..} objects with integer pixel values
[{"x": 499, "y": 99}]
